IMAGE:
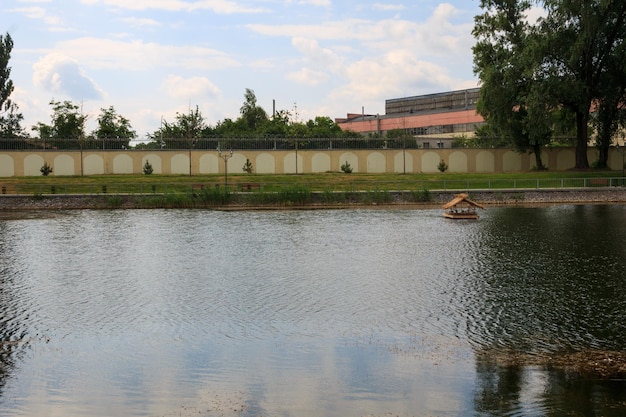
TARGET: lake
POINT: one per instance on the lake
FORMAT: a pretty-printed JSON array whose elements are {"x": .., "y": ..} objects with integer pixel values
[{"x": 311, "y": 313}]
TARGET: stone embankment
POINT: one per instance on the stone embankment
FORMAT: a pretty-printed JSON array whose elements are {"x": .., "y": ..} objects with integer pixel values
[{"x": 529, "y": 197}]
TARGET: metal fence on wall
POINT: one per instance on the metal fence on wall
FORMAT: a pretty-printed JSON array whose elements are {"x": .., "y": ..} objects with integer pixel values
[{"x": 261, "y": 143}]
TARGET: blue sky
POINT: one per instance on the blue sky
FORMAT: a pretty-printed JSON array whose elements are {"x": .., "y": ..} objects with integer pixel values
[{"x": 152, "y": 58}]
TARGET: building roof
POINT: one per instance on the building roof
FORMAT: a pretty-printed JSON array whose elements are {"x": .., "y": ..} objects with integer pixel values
[{"x": 461, "y": 198}]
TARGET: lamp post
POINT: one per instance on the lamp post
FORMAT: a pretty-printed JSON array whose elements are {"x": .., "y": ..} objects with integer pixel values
[
  {"x": 622, "y": 150},
  {"x": 225, "y": 157}
]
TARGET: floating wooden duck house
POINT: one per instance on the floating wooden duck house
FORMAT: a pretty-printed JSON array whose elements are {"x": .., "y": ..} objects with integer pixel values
[{"x": 461, "y": 207}]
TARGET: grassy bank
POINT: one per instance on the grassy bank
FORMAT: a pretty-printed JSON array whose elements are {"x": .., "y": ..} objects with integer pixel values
[{"x": 322, "y": 182}]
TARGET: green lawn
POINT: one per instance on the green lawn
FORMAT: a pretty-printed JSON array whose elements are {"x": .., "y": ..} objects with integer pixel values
[{"x": 141, "y": 184}]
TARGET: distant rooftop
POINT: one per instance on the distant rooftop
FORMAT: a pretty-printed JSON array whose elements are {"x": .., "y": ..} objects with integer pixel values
[{"x": 459, "y": 99}]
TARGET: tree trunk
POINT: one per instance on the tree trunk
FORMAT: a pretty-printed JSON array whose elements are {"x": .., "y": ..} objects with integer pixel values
[
  {"x": 582, "y": 119},
  {"x": 603, "y": 158},
  {"x": 538, "y": 162}
]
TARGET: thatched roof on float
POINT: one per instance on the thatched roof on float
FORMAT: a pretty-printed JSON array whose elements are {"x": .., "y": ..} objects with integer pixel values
[{"x": 461, "y": 199}]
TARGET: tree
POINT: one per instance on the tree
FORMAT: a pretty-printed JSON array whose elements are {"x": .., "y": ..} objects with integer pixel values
[
  {"x": 6, "y": 85},
  {"x": 277, "y": 125},
  {"x": 114, "y": 129},
  {"x": 580, "y": 43},
  {"x": 323, "y": 127},
  {"x": 253, "y": 115},
  {"x": 67, "y": 130},
  {"x": 510, "y": 100},
  {"x": 10, "y": 119},
  {"x": 569, "y": 60},
  {"x": 185, "y": 132}
]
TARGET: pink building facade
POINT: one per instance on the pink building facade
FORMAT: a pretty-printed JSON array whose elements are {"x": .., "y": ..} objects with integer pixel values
[{"x": 434, "y": 120}]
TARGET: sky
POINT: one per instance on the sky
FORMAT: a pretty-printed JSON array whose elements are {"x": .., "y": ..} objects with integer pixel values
[{"x": 150, "y": 59}]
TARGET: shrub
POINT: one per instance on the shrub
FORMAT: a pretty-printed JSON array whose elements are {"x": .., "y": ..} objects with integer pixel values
[
  {"x": 247, "y": 167},
  {"x": 375, "y": 197},
  {"x": 114, "y": 201},
  {"x": 215, "y": 196},
  {"x": 346, "y": 168},
  {"x": 46, "y": 169},
  {"x": 288, "y": 196},
  {"x": 442, "y": 167},
  {"x": 421, "y": 196},
  {"x": 147, "y": 168}
]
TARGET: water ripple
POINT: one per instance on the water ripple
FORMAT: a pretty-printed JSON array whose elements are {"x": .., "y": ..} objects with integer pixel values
[{"x": 406, "y": 282}]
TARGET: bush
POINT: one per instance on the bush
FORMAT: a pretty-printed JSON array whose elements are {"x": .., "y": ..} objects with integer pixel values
[
  {"x": 442, "y": 167},
  {"x": 421, "y": 196},
  {"x": 147, "y": 168},
  {"x": 288, "y": 196},
  {"x": 376, "y": 197},
  {"x": 247, "y": 167},
  {"x": 46, "y": 169},
  {"x": 346, "y": 168},
  {"x": 215, "y": 196}
]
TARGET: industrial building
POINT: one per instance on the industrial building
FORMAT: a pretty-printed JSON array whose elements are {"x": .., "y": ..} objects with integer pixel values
[{"x": 433, "y": 119}]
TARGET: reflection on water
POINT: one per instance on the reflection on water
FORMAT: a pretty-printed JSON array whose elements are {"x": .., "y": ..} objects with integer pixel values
[{"x": 354, "y": 312}]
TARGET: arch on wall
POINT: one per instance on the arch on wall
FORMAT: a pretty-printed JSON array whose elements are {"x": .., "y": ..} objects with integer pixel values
[
  {"x": 123, "y": 164},
  {"x": 209, "y": 164},
  {"x": 430, "y": 162},
  {"x": 93, "y": 165},
  {"x": 565, "y": 159},
  {"x": 155, "y": 161},
  {"x": 376, "y": 163},
  {"x": 351, "y": 159},
  {"x": 265, "y": 164},
  {"x": 63, "y": 165},
  {"x": 7, "y": 166},
  {"x": 32, "y": 165},
  {"x": 457, "y": 162},
  {"x": 485, "y": 162},
  {"x": 179, "y": 164},
  {"x": 236, "y": 163},
  {"x": 403, "y": 162},
  {"x": 320, "y": 163},
  {"x": 289, "y": 163},
  {"x": 511, "y": 161}
]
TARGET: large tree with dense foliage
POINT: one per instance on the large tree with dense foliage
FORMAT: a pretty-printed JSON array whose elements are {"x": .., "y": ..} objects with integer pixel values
[
  {"x": 582, "y": 56},
  {"x": 253, "y": 116},
  {"x": 184, "y": 133},
  {"x": 510, "y": 101},
  {"x": 114, "y": 130},
  {"x": 67, "y": 129},
  {"x": 570, "y": 59}
]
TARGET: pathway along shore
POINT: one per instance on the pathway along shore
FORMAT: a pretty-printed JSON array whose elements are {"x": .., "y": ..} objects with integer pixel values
[{"x": 398, "y": 199}]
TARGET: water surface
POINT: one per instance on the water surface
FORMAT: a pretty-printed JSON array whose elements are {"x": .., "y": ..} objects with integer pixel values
[{"x": 309, "y": 313}]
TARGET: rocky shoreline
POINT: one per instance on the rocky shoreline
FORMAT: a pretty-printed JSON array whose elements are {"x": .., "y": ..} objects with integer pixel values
[{"x": 528, "y": 197}]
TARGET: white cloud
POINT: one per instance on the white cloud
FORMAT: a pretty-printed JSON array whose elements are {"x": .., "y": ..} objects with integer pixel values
[
  {"x": 349, "y": 29},
  {"x": 140, "y": 22},
  {"x": 321, "y": 3},
  {"x": 385, "y": 7},
  {"x": 392, "y": 75},
  {"x": 63, "y": 75},
  {"x": 137, "y": 55},
  {"x": 320, "y": 57},
  {"x": 308, "y": 76},
  {"x": 190, "y": 88},
  {"x": 217, "y": 6},
  {"x": 36, "y": 12}
]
